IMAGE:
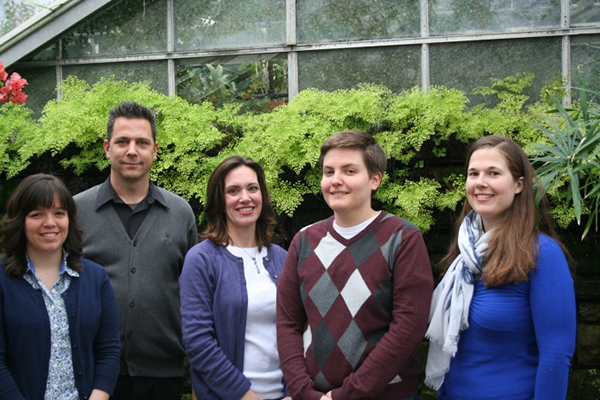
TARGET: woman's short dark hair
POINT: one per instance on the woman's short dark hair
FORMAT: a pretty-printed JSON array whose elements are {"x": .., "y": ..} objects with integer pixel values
[
  {"x": 214, "y": 209},
  {"x": 34, "y": 192}
]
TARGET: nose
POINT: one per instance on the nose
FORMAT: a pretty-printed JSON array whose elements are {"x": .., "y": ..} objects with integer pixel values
[
  {"x": 244, "y": 196},
  {"x": 336, "y": 178},
  {"x": 481, "y": 180},
  {"x": 49, "y": 220},
  {"x": 131, "y": 149}
]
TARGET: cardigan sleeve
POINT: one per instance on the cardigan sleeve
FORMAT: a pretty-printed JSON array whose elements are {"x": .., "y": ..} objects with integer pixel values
[
  {"x": 291, "y": 322},
  {"x": 8, "y": 386},
  {"x": 107, "y": 342},
  {"x": 552, "y": 299},
  {"x": 412, "y": 290},
  {"x": 207, "y": 360}
]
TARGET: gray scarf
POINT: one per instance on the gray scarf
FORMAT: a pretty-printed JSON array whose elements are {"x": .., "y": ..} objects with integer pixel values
[{"x": 449, "y": 313}]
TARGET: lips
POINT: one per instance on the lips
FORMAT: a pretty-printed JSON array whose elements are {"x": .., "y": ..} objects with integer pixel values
[{"x": 50, "y": 234}]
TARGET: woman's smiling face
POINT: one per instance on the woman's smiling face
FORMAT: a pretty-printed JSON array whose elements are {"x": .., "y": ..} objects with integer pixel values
[{"x": 491, "y": 188}]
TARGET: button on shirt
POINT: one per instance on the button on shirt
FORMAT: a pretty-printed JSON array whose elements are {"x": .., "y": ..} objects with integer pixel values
[{"x": 61, "y": 380}]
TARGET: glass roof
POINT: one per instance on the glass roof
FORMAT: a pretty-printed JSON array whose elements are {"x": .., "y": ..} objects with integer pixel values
[{"x": 14, "y": 13}]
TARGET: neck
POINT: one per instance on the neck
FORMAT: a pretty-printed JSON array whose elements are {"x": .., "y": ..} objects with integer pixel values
[
  {"x": 348, "y": 221},
  {"x": 45, "y": 261},
  {"x": 242, "y": 237},
  {"x": 131, "y": 192}
]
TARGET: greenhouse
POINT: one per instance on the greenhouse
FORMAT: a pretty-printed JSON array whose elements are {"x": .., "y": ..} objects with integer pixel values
[{"x": 276, "y": 48}]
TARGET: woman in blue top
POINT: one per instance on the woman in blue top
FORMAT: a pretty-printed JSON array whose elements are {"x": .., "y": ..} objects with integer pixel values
[
  {"x": 227, "y": 290},
  {"x": 502, "y": 322},
  {"x": 59, "y": 336}
]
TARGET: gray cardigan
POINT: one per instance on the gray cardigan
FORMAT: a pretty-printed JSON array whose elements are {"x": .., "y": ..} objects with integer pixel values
[{"x": 144, "y": 272}]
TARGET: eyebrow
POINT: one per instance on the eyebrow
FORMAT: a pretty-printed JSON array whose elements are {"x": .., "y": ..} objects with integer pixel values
[{"x": 343, "y": 166}]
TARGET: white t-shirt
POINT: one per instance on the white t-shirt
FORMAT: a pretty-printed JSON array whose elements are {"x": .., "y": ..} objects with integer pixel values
[{"x": 261, "y": 360}]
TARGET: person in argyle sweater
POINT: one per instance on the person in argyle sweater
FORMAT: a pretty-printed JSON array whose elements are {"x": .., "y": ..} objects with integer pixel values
[{"x": 354, "y": 295}]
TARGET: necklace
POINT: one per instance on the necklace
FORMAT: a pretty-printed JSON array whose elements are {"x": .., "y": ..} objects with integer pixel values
[{"x": 253, "y": 258}]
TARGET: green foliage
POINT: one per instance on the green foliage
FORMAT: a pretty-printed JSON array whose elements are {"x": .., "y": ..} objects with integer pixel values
[
  {"x": 423, "y": 133},
  {"x": 570, "y": 163},
  {"x": 17, "y": 128}
]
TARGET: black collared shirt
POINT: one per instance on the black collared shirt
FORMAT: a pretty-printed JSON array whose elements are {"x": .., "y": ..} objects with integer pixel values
[{"x": 131, "y": 217}]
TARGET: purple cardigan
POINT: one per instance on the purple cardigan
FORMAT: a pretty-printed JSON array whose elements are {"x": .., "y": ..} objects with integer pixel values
[
  {"x": 214, "y": 304},
  {"x": 25, "y": 335}
]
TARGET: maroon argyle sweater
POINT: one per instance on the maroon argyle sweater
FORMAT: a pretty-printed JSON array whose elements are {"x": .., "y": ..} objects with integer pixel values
[{"x": 366, "y": 301}]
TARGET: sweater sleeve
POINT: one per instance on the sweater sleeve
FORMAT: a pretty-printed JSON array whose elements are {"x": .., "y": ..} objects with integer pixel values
[
  {"x": 412, "y": 290},
  {"x": 291, "y": 322},
  {"x": 107, "y": 342},
  {"x": 552, "y": 299},
  {"x": 8, "y": 386},
  {"x": 207, "y": 360}
]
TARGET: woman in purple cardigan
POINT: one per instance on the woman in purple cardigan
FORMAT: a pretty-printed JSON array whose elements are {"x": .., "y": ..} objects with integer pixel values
[
  {"x": 59, "y": 336},
  {"x": 228, "y": 288}
]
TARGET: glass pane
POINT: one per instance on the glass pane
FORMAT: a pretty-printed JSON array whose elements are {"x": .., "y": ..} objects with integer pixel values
[
  {"x": 489, "y": 16},
  {"x": 398, "y": 68},
  {"x": 48, "y": 53},
  {"x": 258, "y": 82},
  {"x": 474, "y": 63},
  {"x": 130, "y": 27},
  {"x": 585, "y": 57},
  {"x": 585, "y": 12},
  {"x": 202, "y": 24},
  {"x": 40, "y": 89},
  {"x": 343, "y": 20},
  {"x": 14, "y": 13},
  {"x": 153, "y": 71}
]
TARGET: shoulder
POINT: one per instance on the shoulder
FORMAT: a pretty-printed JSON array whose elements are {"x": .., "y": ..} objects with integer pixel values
[
  {"x": 205, "y": 247},
  {"x": 391, "y": 226},
  {"x": 173, "y": 200},
  {"x": 550, "y": 257},
  {"x": 277, "y": 250},
  {"x": 397, "y": 222},
  {"x": 92, "y": 269},
  {"x": 87, "y": 195}
]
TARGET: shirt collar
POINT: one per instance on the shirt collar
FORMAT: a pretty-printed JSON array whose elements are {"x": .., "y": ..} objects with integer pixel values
[
  {"x": 63, "y": 266},
  {"x": 107, "y": 193}
]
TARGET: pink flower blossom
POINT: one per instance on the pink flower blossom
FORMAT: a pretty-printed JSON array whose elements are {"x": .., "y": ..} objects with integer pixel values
[
  {"x": 11, "y": 88},
  {"x": 3, "y": 74}
]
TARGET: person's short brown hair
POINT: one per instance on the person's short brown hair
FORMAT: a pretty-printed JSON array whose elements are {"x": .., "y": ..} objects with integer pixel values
[{"x": 373, "y": 154}]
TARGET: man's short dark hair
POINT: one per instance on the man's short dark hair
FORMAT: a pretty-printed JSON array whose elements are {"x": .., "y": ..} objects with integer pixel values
[{"x": 130, "y": 109}]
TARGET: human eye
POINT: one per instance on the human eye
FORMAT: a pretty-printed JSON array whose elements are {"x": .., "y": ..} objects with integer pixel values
[
  {"x": 60, "y": 213},
  {"x": 232, "y": 190},
  {"x": 254, "y": 189},
  {"x": 34, "y": 214},
  {"x": 327, "y": 172},
  {"x": 143, "y": 142}
]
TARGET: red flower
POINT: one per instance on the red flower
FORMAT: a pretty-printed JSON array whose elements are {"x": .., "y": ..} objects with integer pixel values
[
  {"x": 11, "y": 88},
  {"x": 3, "y": 74}
]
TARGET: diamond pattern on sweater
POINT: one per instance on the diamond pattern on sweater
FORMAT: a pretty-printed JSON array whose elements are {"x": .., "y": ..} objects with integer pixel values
[
  {"x": 328, "y": 249},
  {"x": 325, "y": 345},
  {"x": 355, "y": 292},
  {"x": 325, "y": 291},
  {"x": 352, "y": 344},
  {"x": 363, "y": 249},
  {"x": 320, "y": 381}
]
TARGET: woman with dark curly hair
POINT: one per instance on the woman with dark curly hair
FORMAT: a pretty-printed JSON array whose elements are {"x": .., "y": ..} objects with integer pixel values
[{"x": 59, "y": 336}]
